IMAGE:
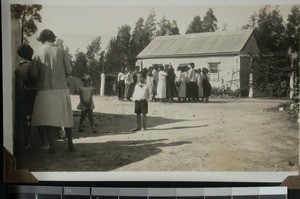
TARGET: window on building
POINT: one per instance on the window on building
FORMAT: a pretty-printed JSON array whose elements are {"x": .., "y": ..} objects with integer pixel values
[{"x": 213, "y": 68}]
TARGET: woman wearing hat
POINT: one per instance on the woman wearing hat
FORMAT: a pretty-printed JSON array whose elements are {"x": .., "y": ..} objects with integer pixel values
[{"x": 52, "y": 106}]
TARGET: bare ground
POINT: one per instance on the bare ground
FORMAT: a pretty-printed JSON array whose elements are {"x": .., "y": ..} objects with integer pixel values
[{"x": 223, "y": 135}]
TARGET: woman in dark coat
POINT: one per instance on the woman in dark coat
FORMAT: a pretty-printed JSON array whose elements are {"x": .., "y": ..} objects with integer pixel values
[
  {"x": 206, "y": 85},
  {"x": 171, "y": 85}
]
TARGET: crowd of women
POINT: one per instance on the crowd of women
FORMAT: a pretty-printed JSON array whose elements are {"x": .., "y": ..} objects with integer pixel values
[{"x": 189, "y": 85}]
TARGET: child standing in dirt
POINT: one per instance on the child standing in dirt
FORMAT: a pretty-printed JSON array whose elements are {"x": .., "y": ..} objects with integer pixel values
[
  {"x": 141, "y": 94},
  {"x": 86, "y": 104}
]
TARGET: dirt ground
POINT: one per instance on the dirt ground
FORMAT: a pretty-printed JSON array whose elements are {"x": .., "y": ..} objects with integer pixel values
[{"x": 222, "y": 135}]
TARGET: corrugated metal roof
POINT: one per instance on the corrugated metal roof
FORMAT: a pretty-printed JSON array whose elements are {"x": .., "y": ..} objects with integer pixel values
[{"x": 229, "y": 42}]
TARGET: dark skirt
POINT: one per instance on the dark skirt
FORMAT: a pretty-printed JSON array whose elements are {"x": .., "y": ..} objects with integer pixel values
[
  {"x": 121, "y": 89},
  {"x": 206, "y": 88},
  {"x": 192, "y": 90}
]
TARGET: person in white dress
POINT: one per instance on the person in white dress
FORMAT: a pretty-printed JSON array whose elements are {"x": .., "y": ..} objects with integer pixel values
[
  {"x": 182, "y": 80},
  {"x": 161, "y": 92}
]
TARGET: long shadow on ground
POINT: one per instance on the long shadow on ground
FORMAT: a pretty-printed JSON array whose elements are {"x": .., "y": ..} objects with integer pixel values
[
  {"x": 114, "y": 124},
  {"x": 105, "y": 156}
]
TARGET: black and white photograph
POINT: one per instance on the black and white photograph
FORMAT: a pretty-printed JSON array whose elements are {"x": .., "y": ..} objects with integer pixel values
[{"x": 151, "y": 87}]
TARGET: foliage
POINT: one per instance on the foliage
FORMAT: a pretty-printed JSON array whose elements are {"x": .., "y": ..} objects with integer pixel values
[
  {"x": 271, "y": 74},
  {"x": 272, "y": 69},
  {"x": 141, "y": 37},
  {"x": 150, "y": 25},
  {"x": 207, "y": 25},
  {"x": 28, "y": 15},
  {"x": 195, "y": 26},
  {"x": 118, "y": 52},
  {"x": 80, "y": 65},
  {"x": 209, "y": 21},
  {"x": 166, "y": 27},
  {"x": 293, "y": 29}
]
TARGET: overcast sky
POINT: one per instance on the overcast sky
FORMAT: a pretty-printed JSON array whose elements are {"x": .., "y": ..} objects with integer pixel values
[{"x": 77, "y": 23}]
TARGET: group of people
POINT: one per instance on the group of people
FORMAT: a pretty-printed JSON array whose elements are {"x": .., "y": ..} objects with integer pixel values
[
  {"x": 42, "y": 93},
  {"x": 43, "y": 100},
  {"x": 189, "y": 85}
]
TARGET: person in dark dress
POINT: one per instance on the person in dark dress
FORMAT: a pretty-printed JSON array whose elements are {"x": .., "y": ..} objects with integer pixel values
[
  {"x": 206, "y": 85},
  {"x": 171, "y": 85}
]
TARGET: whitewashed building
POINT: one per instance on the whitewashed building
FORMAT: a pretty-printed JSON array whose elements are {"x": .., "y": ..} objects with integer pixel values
[{"x": 225, "y": 54}]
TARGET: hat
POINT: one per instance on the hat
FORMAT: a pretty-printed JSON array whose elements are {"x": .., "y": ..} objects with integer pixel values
[
  {"x": 46, "y": 35},
  {"x": 25, "y": 51}
]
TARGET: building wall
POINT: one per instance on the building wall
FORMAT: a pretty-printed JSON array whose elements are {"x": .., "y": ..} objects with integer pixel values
[{"x": 229, "y": 67}]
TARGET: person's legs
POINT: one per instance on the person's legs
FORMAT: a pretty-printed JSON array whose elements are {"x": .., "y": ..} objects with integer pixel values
[
  {"x": 82, "y": 118},
  {"x": 50, "y": 130},
  {"x": 144, "y": 121},
  {"x": 91, "y": 118},
  {"x": 138, "y": 120},
  {"x": 70, "y": 139},
  {"x": 42, "y": 134}
]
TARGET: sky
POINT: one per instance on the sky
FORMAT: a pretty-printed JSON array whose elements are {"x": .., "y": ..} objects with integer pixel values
[{"x": 77, "y": 23}]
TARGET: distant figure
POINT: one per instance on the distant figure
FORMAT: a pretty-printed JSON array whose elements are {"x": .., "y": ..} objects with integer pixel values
[
  {"x": 161, "y": 85},
  {"x": 192, "y": 91},
  {"x": 206, "y": 85},
  {"x": 129, "y": 84},
  {"x": 181, "y": 82},
  {"x": 150, "y": 81},
  {"x": 121, "y": 85},
  {"x": 171, "y": 85},
  {"x": 200, "y": 84},
  {"x": 155, "y": 79},
  {"x": 140, "y": 96},
  {"x": 86, "y": 104},
  {"x": 52, "y": 106},
  {"x": 25, "y": 94}
]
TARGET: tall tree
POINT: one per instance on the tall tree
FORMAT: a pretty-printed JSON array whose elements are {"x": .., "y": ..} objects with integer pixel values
[
  {"x": 28, "y": 15},
  {"x": 139, "y": 40},
  {"x": 80, "y": 64},
  {"x": 195, "y": 26},
  {"x": 167, "y": 28},
  {"x": 270, "y": 30},
  {"x": 209, "y": 21},
  {"x": 252, "y": 22},
  {"x": 118, "y": 50},
  {"x": 93, "y": 56},
  {"x": 293, "y": 29},
  {"x": 150, "y": 24}
]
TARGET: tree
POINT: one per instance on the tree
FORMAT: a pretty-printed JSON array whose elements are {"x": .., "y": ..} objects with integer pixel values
[
  {"x": 93, "y": 57},
  {"x": 93, "y": 49},
  {"x": 150, "y": 25},
  {"x": 270, "y": 30},
  {"x": 28, "y": 15},
  {"x": 195, "y": 26},
  {"x": 118, "y": 50},
  {"x": 252, "y": 22},
  {"x": 293, "y": 29},
  {"x": 167, "y": 28},
  {"x": 80, "y": 64},
  {"x": 139, "y": 40},
  {"x": 209, "y": 21},
  {"x": 273, "y": 69}
]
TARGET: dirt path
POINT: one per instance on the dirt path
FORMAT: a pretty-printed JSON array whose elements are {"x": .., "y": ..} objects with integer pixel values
[{"x": 223, "y": 135}]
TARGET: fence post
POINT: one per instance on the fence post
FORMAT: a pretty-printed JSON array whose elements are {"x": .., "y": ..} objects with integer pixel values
[
  {"x": 251, "y": 79},
  {"x": 102, "y": 85}
]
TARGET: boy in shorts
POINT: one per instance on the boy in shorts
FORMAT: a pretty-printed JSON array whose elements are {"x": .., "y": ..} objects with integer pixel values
[{"x": 140, "y": 96}]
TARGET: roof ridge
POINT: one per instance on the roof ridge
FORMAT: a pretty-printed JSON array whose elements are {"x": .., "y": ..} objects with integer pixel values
[{"x": 217, "y": 33}]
